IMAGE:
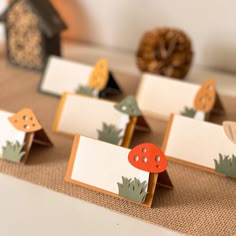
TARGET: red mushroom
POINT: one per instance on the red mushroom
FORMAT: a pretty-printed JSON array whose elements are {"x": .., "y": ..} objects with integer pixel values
[{"x": 148, "y": 157}]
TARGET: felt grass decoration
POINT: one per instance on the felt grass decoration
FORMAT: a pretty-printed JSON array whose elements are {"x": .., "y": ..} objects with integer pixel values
[
  {"x": 109, "y": 134},
  {"x": 85, "y": 90},
  {"x": 226, "y": 165},
  {"x": 189, "y": 112},
  {"x": 13, "y": 151},
  {"x": 132, "y": 189}
]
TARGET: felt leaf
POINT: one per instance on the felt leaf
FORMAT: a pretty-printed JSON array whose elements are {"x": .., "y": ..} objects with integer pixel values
[
  {"x": 226, "y": 165},
  {"x": 99, "y": 76},
  {"x": 230, "y": 130},
  {"x": 13, "y": 151},
  {"x": 205, "y": 97},
  {"x": 134, "y": 190},
  {"x": 110, "y": 134},
  {"x": 129, "y": 106},
  {"x": 25, "y": 121}
]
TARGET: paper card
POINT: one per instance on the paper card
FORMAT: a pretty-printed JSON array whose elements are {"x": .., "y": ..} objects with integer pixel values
[
  {"x": 160, "y": 96},
  {"x": 9, "y": 133},
  {"x": 105, "y": 168},
  {"x": 18, "y": 131},
  {"x": 62, "y": 75},
  {"x": 95, "y": 118},
  {"x": 198, "y": 144}
]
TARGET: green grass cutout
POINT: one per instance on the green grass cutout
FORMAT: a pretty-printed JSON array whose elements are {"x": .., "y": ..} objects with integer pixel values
[
  {"x": 85, "y": 90},
  {"x": 133, "y": 189},
  {"x": 189, "y": 112},
  {"x": 226, "y": 165},
  {"x": 109, "y": 134},
  {"x": 13, "y": 151}
]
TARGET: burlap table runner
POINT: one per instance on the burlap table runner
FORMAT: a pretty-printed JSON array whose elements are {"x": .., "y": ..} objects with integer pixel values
[{"x": 200, "y": 204}]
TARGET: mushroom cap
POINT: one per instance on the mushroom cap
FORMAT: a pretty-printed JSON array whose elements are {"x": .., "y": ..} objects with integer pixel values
[
  {"x": 205, "y": 97},
  {"x": 230, "y": 130},
  {"x": 99, "y": 77},
  {"x": 25, "y": 121},
  {"x": 148, "y": 157},
  {"x": 129, "y": 106}
]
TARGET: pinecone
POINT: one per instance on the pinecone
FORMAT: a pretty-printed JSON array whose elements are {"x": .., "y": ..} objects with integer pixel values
[{"x": 165, "y": 51}]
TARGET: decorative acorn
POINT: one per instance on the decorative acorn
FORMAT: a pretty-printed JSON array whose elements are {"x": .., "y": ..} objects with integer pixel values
[{"x": 165, "y": 51}]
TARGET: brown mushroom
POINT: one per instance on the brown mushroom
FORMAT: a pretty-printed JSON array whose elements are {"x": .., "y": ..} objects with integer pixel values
[
  {"x": 25, "y": 121},
  {"x": 148, "y": 157},
  {"x": 205, "y": 97}
]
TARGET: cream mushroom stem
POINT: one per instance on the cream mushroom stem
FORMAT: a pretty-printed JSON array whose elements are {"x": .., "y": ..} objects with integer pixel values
[
  {"x": 200, "y": 115},
  {"x": 96, "y": 92},
  {"x": 143, "y": 176},
  {"x": 123, "y": 125}
]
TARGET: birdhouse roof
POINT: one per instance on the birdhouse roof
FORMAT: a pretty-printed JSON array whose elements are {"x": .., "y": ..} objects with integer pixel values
[{"x": 50, "y": 21}]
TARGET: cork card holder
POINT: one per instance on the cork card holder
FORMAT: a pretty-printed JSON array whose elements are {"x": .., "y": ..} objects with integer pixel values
[
  {"x": 18, "y": 132},
  {"x": 99, "y": 119},
  {"x": 62, "y": 75},
  {"x": 202, "y": 145},
  {"x": 160, "y": 96},
  {"x": 117, "y": 171}
]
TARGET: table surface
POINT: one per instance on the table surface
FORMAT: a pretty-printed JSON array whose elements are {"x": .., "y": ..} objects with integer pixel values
[{"x": 28, "y": 209}]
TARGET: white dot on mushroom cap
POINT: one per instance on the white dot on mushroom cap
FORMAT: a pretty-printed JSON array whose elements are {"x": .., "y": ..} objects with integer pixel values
[
  {"x": 123, "y": 108},
  {"x": 136, "y": 158},
  {"x": 25, "y": 117},
  {"x": 144, "y": 149},
  {"x": 202, "y": 99},
  {"x": 144, "y": 159},
  {"x": 26, "y": 126},
  {"x": 209, "y": 87},
  {"x": 157, "y": 158}
]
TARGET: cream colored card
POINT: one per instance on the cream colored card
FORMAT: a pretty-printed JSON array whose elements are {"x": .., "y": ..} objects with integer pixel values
[
  {"x": 118, "y": 171},
  {"x": 102, "y": 165},
  {"x": 18, "y": 132},
  {"x": 160, "y": 96},
  {"x": 196, "y": 143},
  {"x": 84, "y": 115},
  {"x": 8, "y": 132},
  {"x": 62, "y": 75}
]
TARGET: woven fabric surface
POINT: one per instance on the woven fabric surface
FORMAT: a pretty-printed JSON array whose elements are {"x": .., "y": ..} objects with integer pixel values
[{"x": 200, "y": 203}]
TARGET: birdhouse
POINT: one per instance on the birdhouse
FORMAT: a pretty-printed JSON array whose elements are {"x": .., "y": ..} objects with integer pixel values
[{"x": 33, "y": 30}]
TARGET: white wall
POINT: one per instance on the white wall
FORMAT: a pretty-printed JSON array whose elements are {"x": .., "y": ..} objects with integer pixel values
[{"x": 120, "y": 24}]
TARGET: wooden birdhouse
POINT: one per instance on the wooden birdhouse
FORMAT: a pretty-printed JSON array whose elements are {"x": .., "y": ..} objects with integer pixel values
[{"x": 33, "y": 30}]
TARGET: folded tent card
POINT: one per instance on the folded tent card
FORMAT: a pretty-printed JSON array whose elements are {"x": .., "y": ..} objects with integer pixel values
[
  {"x": 18, "y": 132},
  {"x": 202, "y": 145},
  {"x": 61, "y": 76},
  {"x": 118, "y": 171},
  {"x": 99, "y": 119},
  {"x": 160, "y": 96}
]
